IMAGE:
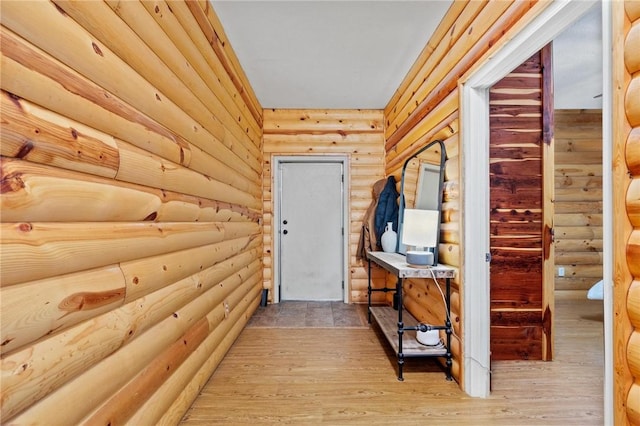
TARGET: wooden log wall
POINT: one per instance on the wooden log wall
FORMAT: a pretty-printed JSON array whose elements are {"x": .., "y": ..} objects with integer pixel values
[
  {"x": 358, "y": 134},
  {"x": 626, "y": 212},
  {"x": 131, "y": 238},
  {"x": 578, "y": 198},
  {"x": 426, "y": 107}
]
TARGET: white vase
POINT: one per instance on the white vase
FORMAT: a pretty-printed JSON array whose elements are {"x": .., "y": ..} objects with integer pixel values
[{"x": 389, "y": 238}]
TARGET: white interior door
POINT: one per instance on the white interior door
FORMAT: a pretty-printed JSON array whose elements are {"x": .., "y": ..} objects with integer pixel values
[{"x": 311, "y": 231}]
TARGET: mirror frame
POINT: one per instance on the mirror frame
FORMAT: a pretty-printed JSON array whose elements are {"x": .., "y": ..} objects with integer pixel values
[{"x": 401, "y": 207}]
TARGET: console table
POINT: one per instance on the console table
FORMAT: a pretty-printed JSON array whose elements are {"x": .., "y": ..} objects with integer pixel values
[{"x": 394, "y": 323}]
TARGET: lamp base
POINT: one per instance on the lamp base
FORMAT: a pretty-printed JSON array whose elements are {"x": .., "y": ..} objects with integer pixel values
[{"x": 419, "y": 258}]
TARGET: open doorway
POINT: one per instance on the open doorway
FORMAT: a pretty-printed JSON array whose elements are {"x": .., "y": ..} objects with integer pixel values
[
  {"x": 541, "y": 30},
  {"x": 546, "y": 190},
  {"x": 577, "y": 62}
]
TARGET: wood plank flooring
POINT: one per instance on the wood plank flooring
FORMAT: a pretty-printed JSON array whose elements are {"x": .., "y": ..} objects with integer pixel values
[{"x": 346, "y": 375}]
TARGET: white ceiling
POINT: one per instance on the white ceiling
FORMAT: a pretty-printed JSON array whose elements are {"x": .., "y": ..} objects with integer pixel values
[
  {"x": 577, "y": 64},
  {"x": 328, "y": 54},
  {"x": 355, "y": 53}
]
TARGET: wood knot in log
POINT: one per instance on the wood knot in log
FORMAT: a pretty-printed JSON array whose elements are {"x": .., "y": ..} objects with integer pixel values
[
  {"x": 151, "y": 217},
  {"x": 25, "y": 227},
  {"x": 25, "y": 148},
  {"x": 97, "y": 49},
  {"x": 85, "y": 301}
]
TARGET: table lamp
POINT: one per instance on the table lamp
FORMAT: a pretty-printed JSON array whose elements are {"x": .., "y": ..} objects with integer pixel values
[{"x": 420, "y": 230}]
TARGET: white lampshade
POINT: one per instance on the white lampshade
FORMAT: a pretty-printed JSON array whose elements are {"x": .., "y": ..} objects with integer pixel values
[{"x": 420, "y": 227}]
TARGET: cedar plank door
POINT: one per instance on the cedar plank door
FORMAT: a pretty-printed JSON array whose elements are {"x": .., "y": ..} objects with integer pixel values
[{"x": 520, "y": 318}]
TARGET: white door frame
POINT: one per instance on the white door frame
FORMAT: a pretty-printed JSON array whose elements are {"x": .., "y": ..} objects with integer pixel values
[
  {"x": 475, "y": 181},
  {"x": 276, "y": 160}
]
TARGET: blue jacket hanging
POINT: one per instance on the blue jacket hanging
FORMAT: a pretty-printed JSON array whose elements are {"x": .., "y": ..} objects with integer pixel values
[{"x": 387, "y": 209}]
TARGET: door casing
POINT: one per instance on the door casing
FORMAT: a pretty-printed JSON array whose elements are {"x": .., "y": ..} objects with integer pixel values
[
  {"x": 275, "y": 226},
  {"x": 475, "y": 175}
]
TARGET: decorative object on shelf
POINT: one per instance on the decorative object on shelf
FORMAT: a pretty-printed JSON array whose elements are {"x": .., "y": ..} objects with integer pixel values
[
  {"x": 429, "y": 337},
  {"x": 389, "y": 238},
  {"x": 420, "y": 232}
]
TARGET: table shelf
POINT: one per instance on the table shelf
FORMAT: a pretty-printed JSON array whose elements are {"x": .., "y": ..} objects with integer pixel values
[
  {"x": 387, "y": 319},
  {"x": 399, "y": 326}
]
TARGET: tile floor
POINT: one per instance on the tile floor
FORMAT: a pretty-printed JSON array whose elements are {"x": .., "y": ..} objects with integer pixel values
[{"x": 293, "y": 314}]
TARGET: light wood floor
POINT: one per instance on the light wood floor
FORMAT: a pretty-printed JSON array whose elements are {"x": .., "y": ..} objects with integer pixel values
[{"x": 339, "y": 375}]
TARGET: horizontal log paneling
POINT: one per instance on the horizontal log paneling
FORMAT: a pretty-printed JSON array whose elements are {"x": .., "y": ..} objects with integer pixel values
[
  {"x": 131, "y": 187},
  {"x": 66, "y": 300},
  {"x": 458, "y": 12},
  {"x": 123, "y": 30},
  {"x": 161, "y": 393},
  {"x": 579, "y": 170},
  {"x": 183, "y": 401},
  {"x": 67, "y": 194},
  {"x": 122, "y": 405},
  {"x": 578, "y": 198},
  {"x": 579, "y": 245},
  {"x": 73, "y": 44},
  {"x": 577, "y": 206},
  {"x": 54, "y": 140},
  {"x": 449, "y": 48},
  {"x": 198, "y": 367},
  {"x": 445, "y": 115},
  {"x": 39, "y": 308},
  {"x": 357, "y": 134},
  {"x": 580, "y": 258},
  {"x": 106, "y": 113},
  {"x": 51, "y": 94},
  {"x": 633, "y": 202},
  {"x": 58, "y": 248},
  {"x": 578, "y": 219},
  {"x": 585, "y": 282},
  {"x": 326, "y": 121},
  {"x": 190, "y": 40},
  {"x": 439, "y": 76},
  {"x": 49, "y": 364},
  {"x": 421, "y": 296},
  {"x": 216, "y": 38},
  {"x": 145, "y": 348}
]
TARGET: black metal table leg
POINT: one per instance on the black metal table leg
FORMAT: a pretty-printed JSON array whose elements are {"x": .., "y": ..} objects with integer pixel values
[
  {"x": 369, "y": 292},
  {"x": 398, "y": 294},
  {"x": 448, "y": 324}
]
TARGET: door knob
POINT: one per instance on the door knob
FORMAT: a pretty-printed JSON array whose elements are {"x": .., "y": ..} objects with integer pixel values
[
  {"x": 285, "y": 232},
  {"x": 284, "y": 222}
]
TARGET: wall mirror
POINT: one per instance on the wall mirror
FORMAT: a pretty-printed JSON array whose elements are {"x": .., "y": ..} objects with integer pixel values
[{"x": 421, "y": 191}]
